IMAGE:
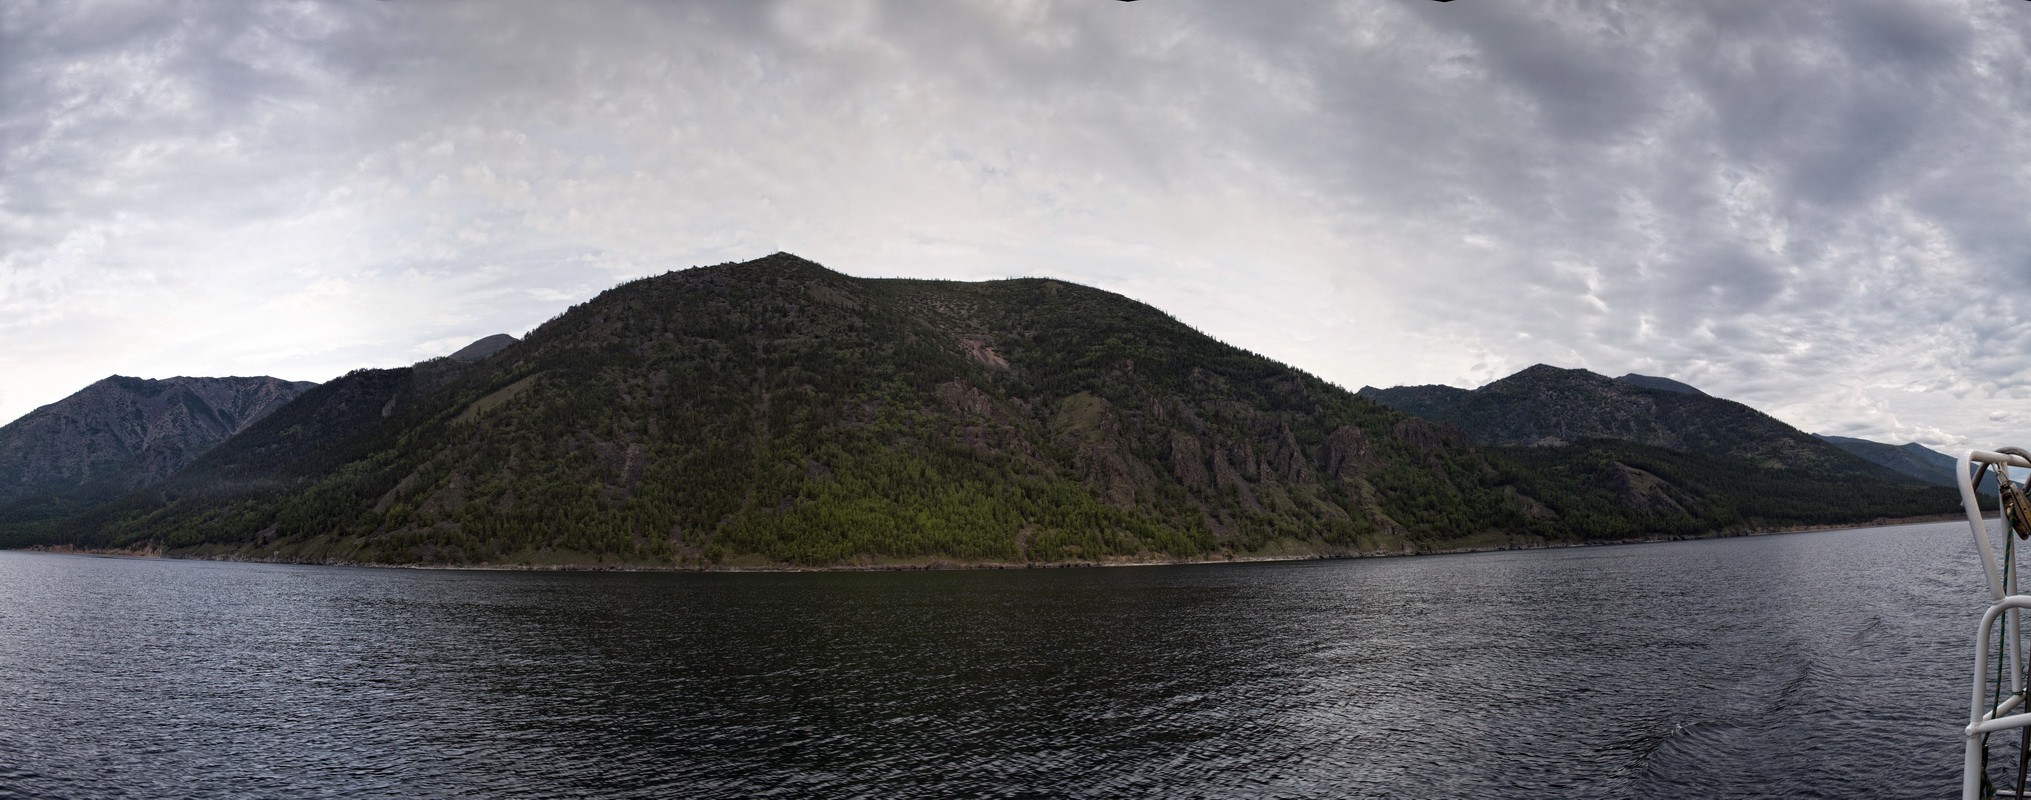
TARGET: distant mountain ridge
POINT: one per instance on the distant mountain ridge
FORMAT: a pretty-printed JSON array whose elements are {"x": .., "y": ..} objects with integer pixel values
[
  {"x": 123, "y": 433},
  {"x": 1549, "y": 406},
  {"x": 483, "y": 348},
  {"x": 1916, "y": 460},
  {"x": 1662, "y": 384}
]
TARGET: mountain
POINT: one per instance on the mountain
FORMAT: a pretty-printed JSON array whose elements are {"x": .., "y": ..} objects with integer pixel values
[
  {"x": 123, "y": 433},
  {"x": 1660, "y": 384},
  {"x": 483, "y": 348},
  {"x": 1682, "y": 457},
  {"x": 328, "y": 427},
  {"x": 1424, "y": 402},
  {"x": 1549, "y": 406},
  {"x": 1913, "y": 459},
  {"x": 777, "y": 413}
]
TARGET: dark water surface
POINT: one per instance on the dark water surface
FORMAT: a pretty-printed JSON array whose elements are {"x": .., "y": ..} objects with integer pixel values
[{"x": 1813, "y": 665}]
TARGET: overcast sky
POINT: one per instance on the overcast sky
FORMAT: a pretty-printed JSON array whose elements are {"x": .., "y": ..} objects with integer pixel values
[{"x": 1816, "y": 208}]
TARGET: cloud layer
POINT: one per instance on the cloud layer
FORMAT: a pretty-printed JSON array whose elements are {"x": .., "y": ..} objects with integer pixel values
[{"x": 1816, "y": 208}]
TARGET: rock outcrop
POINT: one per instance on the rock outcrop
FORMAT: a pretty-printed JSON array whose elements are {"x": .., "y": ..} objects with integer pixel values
[{"x": 123, "y": 433}]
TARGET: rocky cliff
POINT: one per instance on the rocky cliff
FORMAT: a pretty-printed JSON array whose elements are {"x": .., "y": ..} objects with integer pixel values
[{"x": 123, "y": 433}]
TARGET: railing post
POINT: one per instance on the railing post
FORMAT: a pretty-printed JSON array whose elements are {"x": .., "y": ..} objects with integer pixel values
[{"x": 1983, "y": 546}]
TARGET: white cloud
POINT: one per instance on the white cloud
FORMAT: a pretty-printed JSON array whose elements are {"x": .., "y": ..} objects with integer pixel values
[{"x": 1818, "y": 214}]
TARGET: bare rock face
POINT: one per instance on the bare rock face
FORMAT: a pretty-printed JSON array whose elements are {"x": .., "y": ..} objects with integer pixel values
[
  {"x": 124, "y": 433},
  {"x": 1347, "y": 453}
]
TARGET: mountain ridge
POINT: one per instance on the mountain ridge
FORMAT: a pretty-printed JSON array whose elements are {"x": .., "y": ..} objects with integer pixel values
[
  {"x": 484, "y": 347},
  {"x": 939, "y": 378},
  {"x": 121, "y": 433},
  {"x": 1661, "y": 384},
  {"x": 1543, "y": 405},
  {"x": 1911, "y": 458},
  {"x": 775, "y": 412}
]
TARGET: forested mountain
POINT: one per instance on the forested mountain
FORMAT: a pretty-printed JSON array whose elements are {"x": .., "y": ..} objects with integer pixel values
[
  {"x": 1687, "y": 459},
  {"x": 483, "y": 348},
  {"x": 1548, "y": 406},
  {"x": 775, "y": 412},
  {"x": 120, "y": 434},
  {"x": 1921, "y": 463},
  {"x": 1664, "y": 384}
]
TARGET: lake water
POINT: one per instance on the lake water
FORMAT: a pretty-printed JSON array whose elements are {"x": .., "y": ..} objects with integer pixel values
[{"x": 1830, "y": 664}]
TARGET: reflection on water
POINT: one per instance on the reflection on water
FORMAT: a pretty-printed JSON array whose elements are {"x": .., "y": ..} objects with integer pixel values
[{"x": 1792, "y": 665}]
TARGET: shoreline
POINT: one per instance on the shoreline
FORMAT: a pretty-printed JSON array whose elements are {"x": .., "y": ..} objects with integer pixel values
[{"x": 156, "y": 551}]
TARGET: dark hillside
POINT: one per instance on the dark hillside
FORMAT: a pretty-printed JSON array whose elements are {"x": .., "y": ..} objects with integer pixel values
[
  {"x": 778, "y": 412},
  {"x": 1549, "y": 406},
  {"x": 1919, "y": 462},
  {"x": 120, "y": 434},
  {"x": 1609, "y": 488},
  {"x": 1660, "y": 384},
  {"x": 483, "y": 348},
  {"x": 1425, "y": 402},
  {"x": 775, "y": 412}
]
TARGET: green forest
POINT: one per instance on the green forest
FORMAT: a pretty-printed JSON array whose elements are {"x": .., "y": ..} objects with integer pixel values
[{"x": 775, "y": 413}]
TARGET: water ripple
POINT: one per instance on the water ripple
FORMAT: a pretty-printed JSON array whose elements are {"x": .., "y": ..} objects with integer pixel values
[{"x": 1794, "y": 666}]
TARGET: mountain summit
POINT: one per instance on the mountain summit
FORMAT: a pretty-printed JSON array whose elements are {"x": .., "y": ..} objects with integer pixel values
[
  {"x": 123, "y": 433},
  {"x": 1549, "y": 406},
  {"x": 484, "y": 347},
  {"x": 1662, "y": 384},
  {"x": 1911, "y": 458}
]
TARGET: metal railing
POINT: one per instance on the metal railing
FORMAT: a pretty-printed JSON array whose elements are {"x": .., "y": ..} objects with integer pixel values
[{"x": 1989, "y": 711}]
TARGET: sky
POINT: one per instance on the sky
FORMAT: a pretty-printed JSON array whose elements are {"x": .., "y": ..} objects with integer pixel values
[{"x": 1816, "y": 208}]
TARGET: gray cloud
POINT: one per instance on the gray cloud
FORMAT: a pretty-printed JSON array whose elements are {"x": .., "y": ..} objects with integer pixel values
[{"x": 1815, "y": 208}]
